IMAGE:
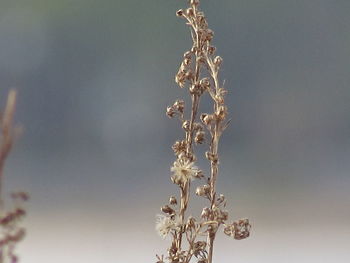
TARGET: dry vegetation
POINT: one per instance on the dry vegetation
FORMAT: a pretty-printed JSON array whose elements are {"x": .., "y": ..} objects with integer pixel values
[
  {"x": 10, "y": 230},
  {"x": 192, "y": 239}
]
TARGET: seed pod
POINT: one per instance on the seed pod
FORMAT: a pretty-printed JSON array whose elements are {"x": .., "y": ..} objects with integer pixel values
[
  {"x": 211, "y": 157},
  {"x": 200, "y": 191},
  {"x": 205, "y": 212},
  {"x": 211, "y": 50},
  {"x": 179, "y": 105},
  {"x": 206, "y": 118},
  {"x": 221, "y": 198},
  {"x": 203, "y": 190},
  {"x": 172, "y": 200},
  {"x": 194, "y": 2},
  {"x": 222, "y": 216},
  {"x": 188, "y": 55},
  {"x": 218, "y": 61},
  {"x": 199, "y": 174},
  {"x": 189, "y": 12},
  {"x": 180, "y": 12},
  {"x": 179, "y": 147},
  {"x": 191, "y": 222},
  {"x": 205, "y": 83},
  {"x": 200, "y": 137},
  {"x": 209, "y": 35},
  {"x": 167, "y": 209},
  {"x": 170, "y": 112},
  {"x": 186, "y": 125},
  {"x": 221, "y": 112}
]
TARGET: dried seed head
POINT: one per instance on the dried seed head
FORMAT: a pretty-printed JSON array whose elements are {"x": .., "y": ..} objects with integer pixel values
[
  {"x": 209, "y": 35},
  {"x": 198, "y": 249},
  {"x": 191, "y": 222},
  {"x": 189, "y": 12},
  {"x": 180, "y": 12},
  {"x": 238, "y": 230},
  {"x": 194, "y": 2},
  {"x": 167, "y": 209},
  {"x": 186, "y": 125},
  {"x": 199, "y": 174},
  {"x": 217, "y": 61},
  {"x": 212, "y": 157},
  {"x": 205, "y": 212},
  {"x": 222, "y": 216},
  {"x": 219, "y": 99},
  {"x": 205, "y": 83},
  {"x": 179, "y": 105},
  {"x": 221, "y": 199},
  {"x": 186, "y": 62},
  {"x": 206, "y": 118},
  {"x": 189, "y": 75},
  {"x": 200, "y": 137},
  {"x": 201, "y": 59},
  {"x": 211, "y": 50},
  {"x": 221, "y": 112},
  {"x": 170, "y": 112},
  {"x": 188, "y": 55},
  {"x": 172, "y": 200},
  {"x": 179, "y": 147},
  {"x": 203, "y": 190}
]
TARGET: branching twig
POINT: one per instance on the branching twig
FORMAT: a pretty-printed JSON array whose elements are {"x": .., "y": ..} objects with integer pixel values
[{"x": 198, "y": 73}]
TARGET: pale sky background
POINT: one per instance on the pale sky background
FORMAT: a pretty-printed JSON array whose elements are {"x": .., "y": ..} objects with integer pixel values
[{"x": 94, "y": 79}]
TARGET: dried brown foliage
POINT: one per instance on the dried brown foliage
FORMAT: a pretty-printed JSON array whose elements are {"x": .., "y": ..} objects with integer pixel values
[
  {"x": 10, "y": 230},
  {"x": 192, "y": 240}
]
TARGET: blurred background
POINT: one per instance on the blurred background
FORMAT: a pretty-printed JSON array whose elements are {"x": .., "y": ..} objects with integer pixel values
[{"x": 94, "y": 79}]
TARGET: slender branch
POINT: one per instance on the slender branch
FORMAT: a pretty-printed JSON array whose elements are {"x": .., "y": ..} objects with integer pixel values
[{"x": 200, "y": 60}]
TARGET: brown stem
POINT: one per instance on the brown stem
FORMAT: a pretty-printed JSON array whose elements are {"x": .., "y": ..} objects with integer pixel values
[
  {"x": 211, "y": 248},
  {"x": 189, "y": 137}
]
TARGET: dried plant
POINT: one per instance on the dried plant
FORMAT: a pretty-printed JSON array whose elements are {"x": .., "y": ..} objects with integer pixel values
[
  {"x": 11, "y": 232},
  {"x": 192, "y": 240}
]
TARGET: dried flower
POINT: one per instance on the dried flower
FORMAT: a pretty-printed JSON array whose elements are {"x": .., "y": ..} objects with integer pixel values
[
  {"x": 206, "y": 118},
  {"x": 186, "y": 125},
  {"x": 221, "y": 113},
  {"x": 212, "y": 157},
  {"x": 194, "y": 2},
  {"x": 167, "y": 209},
  {"x": 165, "y": 224},
  {"x": 200, "y": 137},
  {"x": 238, "y": 230},
  {"x": 205, "y": 212},
  {"x": 203, "y": 190},
  {"x": 179, "y": 147},
  {"x": 170, "y": 112},
  {"x": 189, "y": 12},
  {"x": 217, "y": 61},
  {"x": 180, "y": 12},
  {"x": 179, "y": 105},
  {"x": 183, "y": 171}
]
